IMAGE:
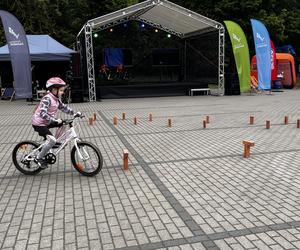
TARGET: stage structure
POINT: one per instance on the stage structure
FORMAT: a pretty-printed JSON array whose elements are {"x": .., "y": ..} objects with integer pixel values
[{"x": 161, "y": 14}]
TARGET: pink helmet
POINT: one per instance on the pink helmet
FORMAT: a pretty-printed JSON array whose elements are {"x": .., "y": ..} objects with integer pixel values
[{"x": 55, "y": 82}]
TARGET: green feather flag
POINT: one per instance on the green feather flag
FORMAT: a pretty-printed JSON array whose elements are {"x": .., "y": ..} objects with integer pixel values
[{"x": 241, "y": 54}]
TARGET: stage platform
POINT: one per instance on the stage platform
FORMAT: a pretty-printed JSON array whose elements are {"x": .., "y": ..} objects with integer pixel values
[{"x": 147, "y": 89}]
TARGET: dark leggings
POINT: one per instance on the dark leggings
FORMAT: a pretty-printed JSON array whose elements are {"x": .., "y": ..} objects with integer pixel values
[{"x": 45, "y": 130}]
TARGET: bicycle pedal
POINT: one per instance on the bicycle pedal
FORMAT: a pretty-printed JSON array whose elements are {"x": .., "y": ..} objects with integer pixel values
[{"x": 41, "y": 163}]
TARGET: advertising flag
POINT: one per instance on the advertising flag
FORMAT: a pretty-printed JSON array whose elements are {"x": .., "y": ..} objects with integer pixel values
[
  {"x": 263, "y": 54},
  {"x": 241, "y": 54},
  {"x": 19, "y": 54},
  {"x": 273, "y": 62}
]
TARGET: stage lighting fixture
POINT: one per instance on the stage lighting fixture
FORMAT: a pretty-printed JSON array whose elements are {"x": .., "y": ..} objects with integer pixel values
[
  {"x": 143, "y": 25},
  {"x": 111, "y": 29},
  {"x": 156, "y": 30},
  {"x": 125, "y": 25},
  {"x": 169, "y": 35},
  {"x": 95, "y": 35}
]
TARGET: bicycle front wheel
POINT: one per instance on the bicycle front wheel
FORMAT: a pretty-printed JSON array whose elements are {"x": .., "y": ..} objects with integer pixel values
[
  {"x": 87, "y": 160},
  {"x": 19, "y": 153}
]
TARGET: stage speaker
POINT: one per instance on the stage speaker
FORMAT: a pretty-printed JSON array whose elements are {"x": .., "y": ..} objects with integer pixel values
[
  {"x": 76, "y": 96},
  {"x": 232, "y": 84},
  {"x": 161, "y": 57},
  {"x": 76, "y": 83},
  {"x": 75, "y": 65}
]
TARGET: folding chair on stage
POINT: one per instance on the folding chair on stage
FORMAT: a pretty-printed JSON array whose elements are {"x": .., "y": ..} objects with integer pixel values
[{"x": 254, "y": 85}]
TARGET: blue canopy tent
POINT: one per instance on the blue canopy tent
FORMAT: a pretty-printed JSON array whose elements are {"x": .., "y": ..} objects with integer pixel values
[
  {"x": 42, "y": 48},
  {"x": 48, "y": 57}
]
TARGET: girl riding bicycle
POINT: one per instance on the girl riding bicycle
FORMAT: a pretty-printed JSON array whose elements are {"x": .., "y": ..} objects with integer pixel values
[{"x": 45, "y": 116}]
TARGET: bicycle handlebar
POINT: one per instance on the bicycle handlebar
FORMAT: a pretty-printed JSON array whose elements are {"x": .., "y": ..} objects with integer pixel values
[{"x": 70, "y": 120}]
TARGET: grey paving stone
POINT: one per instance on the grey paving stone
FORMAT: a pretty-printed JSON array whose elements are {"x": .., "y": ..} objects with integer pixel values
[
  {"x": 164, "y": 235},
  {"x": 245, "y": 242},
  {"x": 34, "y": 246},
  {"x": 132, "y": 243},
  {"x": 70, "y": 246},
  {"x": 81, "y": 231},
  {"x": 58, "y": 244},
  {"x": 108, "y": 246},
  {"x": 119, "y": 242},
  {"x": 34, "y": 238},
  {"x": 45, "y": 241},
  {"x": 283, "y": 242},
  {"x": 106, "y": 238},
  {"x": 142, "y": 238},
  {"x": 93, "y": 234},
  {"x": 260, "y": 244},
  {"x": 266, "y": 238},
  {"x": 175, "y": 242},
  {"x": 82, "y": 241},
  {"x": 95, "y": 244},
  {"x": 186, "y": 247},
  {"x": 9, "y": 242},
  {"x": 46, "y": 231},
  {"x": 296, "y": 244},
  {"x": 70, "y": 238}
]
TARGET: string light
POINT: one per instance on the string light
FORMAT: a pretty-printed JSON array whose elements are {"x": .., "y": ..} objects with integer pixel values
[
  {"x": 156, "y": 30},
  {"x": 169, "y": 35},
  {"x": 111, "y": 29},
  {"x": 95, "y": 35}
]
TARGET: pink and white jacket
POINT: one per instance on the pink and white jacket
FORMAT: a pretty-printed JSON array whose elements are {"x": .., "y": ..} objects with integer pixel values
[{"x": 46, "y": 111}]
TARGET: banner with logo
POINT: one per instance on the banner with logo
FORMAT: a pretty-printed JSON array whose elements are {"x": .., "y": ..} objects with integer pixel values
[
  {"x": 263, "y": 54},
  {"x": 19, "y": 54},
  {"x": 241, "y": 54},
  {"x": 273, "y": 62}
]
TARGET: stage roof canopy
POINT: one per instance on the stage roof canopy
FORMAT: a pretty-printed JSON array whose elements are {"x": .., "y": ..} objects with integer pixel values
[{"x": 162, "y": 14}]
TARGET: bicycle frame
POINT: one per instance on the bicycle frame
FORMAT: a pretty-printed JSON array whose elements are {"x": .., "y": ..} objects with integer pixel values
[{"x": 70, "y": 135}]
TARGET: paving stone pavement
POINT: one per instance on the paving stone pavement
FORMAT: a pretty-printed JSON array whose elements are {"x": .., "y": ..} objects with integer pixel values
[{"x": 186, "y": 187}]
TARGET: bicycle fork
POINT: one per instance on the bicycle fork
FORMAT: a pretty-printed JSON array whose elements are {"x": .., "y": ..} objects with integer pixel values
[{"x": 86, "y": 155}]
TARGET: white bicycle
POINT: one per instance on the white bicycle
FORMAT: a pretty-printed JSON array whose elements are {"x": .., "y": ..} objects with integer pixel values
[{"x": 85, "y": 156}]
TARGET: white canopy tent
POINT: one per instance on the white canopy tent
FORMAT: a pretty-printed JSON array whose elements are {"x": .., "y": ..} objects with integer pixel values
[{"x": 161, "y": 14}]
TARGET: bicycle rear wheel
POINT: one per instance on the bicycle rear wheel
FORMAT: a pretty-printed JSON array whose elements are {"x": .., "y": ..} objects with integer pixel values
[
  {"x": 21, "y": 150},
  {"x": 91, "y": 161}
]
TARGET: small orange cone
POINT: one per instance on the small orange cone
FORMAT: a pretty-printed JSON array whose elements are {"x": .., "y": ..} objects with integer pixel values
[
  {"x": 115, "y": 120},
  {"x": 247, "y": 145},
  {"x": 268, "y": 124},
  {"x": 207, "y": 119},
  {"x": 125, "y": 159}
]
